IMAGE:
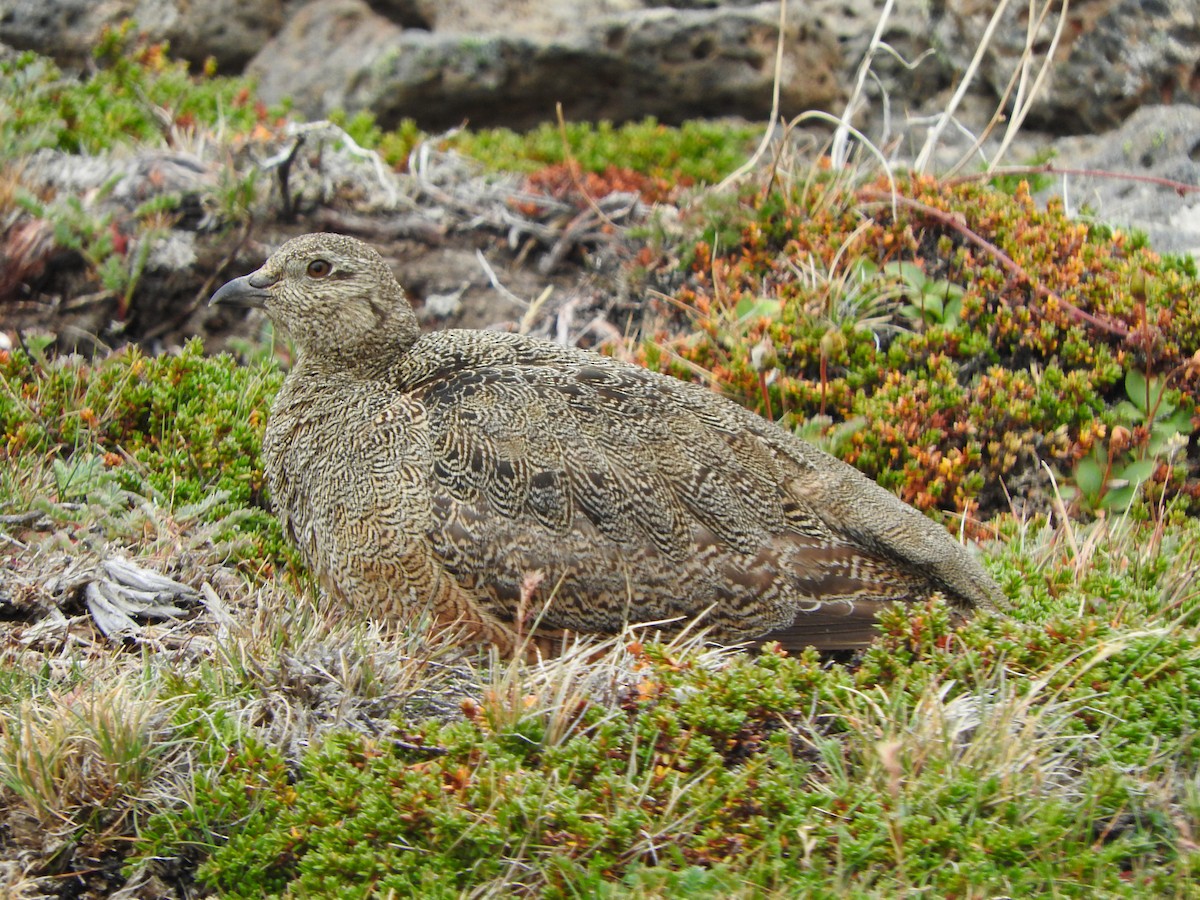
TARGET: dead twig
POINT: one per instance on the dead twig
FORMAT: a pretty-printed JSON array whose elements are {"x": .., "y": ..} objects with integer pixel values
[
  {"x": 285, "y": 170},
  {"x": 573, "y": 168},
  {"x": 1179, "y": 187},
  {"x": 21, "y": 520}
]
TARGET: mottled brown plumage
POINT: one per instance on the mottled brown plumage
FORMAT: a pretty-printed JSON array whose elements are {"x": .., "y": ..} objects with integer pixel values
[{"x": 448, "y": 468}]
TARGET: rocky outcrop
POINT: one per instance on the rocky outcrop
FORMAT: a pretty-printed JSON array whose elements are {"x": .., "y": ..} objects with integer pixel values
[
  {"x": 670, "y": 63},
  {"x": 229, "y": 31},
  {"x": 508, "y": 62},
  {"x": 1113, "y": 56},
  {"x": 1156, "y": 142}
]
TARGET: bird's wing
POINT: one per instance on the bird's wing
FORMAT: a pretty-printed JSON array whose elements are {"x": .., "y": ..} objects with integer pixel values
[
  {"x": 664, "y": 486},
  {"x": 640, "y": 457}
]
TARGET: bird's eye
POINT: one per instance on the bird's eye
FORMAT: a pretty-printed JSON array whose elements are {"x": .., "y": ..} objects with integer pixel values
[{"x": 319, "y": 268}]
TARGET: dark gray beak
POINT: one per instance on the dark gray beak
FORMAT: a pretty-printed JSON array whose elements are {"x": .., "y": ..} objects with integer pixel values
[{"x": 249, "y": 290}]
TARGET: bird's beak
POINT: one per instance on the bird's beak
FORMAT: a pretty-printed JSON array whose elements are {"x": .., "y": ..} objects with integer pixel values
[{"x": 249, "y": 290}]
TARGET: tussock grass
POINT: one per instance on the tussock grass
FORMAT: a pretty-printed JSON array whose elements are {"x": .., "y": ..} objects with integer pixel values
[{"x": 86, "y": 756}]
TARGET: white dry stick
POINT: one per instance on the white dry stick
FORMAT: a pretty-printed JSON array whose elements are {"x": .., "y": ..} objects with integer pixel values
[
  {"x": 940, "y": 121},
  {"x": 217, "y": 608},
  {"x": 494, "y": 280},
  {"x": 1023, "y": 105},
  {"x": 535, "y": 307},
  {"x": 1025, "y": 93},
  {"x": 840, "y": 150},
  {"x": 760, "y": 151}
]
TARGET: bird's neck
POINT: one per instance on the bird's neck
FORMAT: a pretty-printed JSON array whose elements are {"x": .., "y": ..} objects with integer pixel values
[
  {"x": 367, "y": 346},
  {"x": 374, "y": 358}
]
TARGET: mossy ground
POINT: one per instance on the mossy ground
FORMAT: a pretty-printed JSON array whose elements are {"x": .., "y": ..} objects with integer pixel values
[{"x": 280, "y": 751}]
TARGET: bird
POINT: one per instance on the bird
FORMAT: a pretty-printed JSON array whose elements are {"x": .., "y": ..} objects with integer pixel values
[{"x": 512, "y": 486}]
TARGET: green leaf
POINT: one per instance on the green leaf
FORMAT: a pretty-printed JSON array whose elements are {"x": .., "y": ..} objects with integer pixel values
[
  {"x": 909, "y": 272},
  {"x": 1146, "y": 394},
  {"x": 948, "y": 289},
  {"x": 1164, "y": 410},
  {"x": 1138, "y": 471},
  {"x": 1135, "y": 389},
  {"x": 1119, "y": 498},
  {"x": 756, "y": 308},
  {"x": 933, "y": 306},
  {"x": 1179, "y": 423},
  {"x": 1127, "y": 412},
  {"x": 1089, "y": 478}
]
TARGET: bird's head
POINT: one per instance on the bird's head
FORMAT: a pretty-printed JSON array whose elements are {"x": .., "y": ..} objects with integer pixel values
[{"x": 334, "y": 295}]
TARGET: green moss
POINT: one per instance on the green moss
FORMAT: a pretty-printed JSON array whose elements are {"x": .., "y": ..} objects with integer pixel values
[
  {"x": 121, "y": 103},
  {"x": 186, "y": 429},
  {"x": 694, "y": 152}
]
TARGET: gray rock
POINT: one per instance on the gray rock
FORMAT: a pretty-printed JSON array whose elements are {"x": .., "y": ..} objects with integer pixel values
[
  {"x": 534, "y": 19},
  {"x": 322, "y": 52},
  {"x": 669, "y": 63},
  {"x": 1156, "y": 141},
  {"x": 408, "y": 13},
  {"x": 231, "y": 31},
  {"x": 64, "y": 29},
  {"x": 677, "y": 63},
  {"x": 1115, "y": 55},
  {"x": 852, "y": 23}
]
